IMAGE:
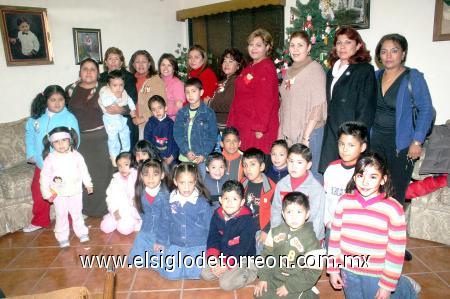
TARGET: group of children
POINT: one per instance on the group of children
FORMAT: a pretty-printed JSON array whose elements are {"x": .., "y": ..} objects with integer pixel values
[{"x": 230, "y": 203}]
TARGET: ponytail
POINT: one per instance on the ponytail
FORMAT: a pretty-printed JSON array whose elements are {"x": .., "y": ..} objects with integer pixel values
[
  {"x": 139, "y": 187},
  {"x": 47, "y": 143},
  {"x": 192, "y": 169},
  {"x": 39, "y": 104}
]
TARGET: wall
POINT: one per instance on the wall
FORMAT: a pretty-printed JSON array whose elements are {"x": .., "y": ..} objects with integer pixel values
[{"x": 18, "y": 85}]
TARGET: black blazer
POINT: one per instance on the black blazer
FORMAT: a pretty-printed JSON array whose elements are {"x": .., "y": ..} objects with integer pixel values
[{"x": 354, "y": 98}]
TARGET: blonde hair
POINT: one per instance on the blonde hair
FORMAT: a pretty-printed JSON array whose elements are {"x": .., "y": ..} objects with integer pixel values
[
  {"x": 265, "y": 36},
  {"x": 113, "y": 50}
]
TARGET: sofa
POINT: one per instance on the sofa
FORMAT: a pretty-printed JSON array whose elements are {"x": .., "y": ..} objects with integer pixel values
[{"x": 15, "y": 178}]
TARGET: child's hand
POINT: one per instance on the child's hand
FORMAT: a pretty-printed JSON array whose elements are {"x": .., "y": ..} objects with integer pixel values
[
  {"x": 157, "y": 248},
  {"x": 199, "y": 159},
  {"x": 90, "y": 190},
  {"x": 31, "y": 161},
  {"x": 282, "y": 291},
  {"x": 258, "y": 135},
  {"x": 260, "y": 288},
  {"x": 218, "y": 270},
  {"x": 179, "y": 104},
  {"x": 191, "y": 156},
  {"x": 117, "y": 215},
  {"x": 382, "y": 294},
  {"x": 168, "y": 160},
  {"x": 336, "y": 281},
  {"x": 262, "y": 237},
  {"x": 114, "y": 109},
  {"x": 133, "y": 113},
  {"x": 12, "y": 40}
]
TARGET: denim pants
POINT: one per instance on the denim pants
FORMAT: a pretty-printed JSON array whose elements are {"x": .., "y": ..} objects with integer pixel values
[
  {"x": 315, "y": 145},
  {"x": 365, "y": 287}
]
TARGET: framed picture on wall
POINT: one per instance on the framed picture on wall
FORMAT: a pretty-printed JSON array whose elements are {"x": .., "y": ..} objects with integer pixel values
[
  {"x": 441, "y": 30},
  {"x": 355, "y": 13},
  {"x": 87, "y": 44},
  {"x": 26, "y": 35}
]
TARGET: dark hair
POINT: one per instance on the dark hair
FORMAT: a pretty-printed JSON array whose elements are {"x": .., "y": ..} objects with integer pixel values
[
  {"x": 202, "y": 52},
  {"x": 302, "y": 35},
  {"x": 295, "y": 198},
  {"x": 376, "y": 161},
  {"x": 215, "y": 156},
  {"x": 193, "y": 82},
  {"x": 237, "y": 56},
  {"x": 254, "y": 153},
  {"x": 156, "y": 99},
  {"x": 151, "y": 62},
  {"x": 117, "y": 51},
  {"x": 95, "y": 62},
  {"x": 116, "y": 74},
  {"x": 355, "y": 129},
  {"x": 302, "y": 150},
  {"x": 173, "y": 62},
  {"x": 126, "y": 155},
  {"x": 146, "y": 147},
  {"x": 229, "y": 131},
  {"x": 280, "y": 142},
  {"x": 21, "y": 20},
  {"x": 191, "y": 168},
  {"x": 47, "y": 143},
  {"x": 143, "y": 169},
  {"x": 39, "y": 104},
  {"x": 232, "y": 185},
  {"x": 396, "y": 38},
  {"x": 362, "y": 55}
]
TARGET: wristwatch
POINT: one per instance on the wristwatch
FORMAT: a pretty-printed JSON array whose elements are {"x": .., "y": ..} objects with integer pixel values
[{"x": 415, "y": 142}]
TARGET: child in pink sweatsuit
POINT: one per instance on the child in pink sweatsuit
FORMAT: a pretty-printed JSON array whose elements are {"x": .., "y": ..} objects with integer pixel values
[
  {"x": 61, "y": 180},
  {"x": 122, "y": 215}
]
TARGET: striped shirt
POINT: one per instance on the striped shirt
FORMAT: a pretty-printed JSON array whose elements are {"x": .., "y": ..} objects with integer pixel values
[{"x": 374, "y": 228}]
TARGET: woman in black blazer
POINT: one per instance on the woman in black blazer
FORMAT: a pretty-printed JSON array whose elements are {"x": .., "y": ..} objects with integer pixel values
[{"x": 351, "y": 90}]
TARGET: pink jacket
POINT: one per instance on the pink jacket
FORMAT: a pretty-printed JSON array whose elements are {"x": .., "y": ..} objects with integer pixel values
[
  {"x": 175, "y": 93},
  {"x": 120, "y": 195}
]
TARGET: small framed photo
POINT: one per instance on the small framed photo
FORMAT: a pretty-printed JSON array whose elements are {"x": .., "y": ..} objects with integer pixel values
[
  {"x": 26, "y": 35},
  {"x": 87, "y": 44},
  {"x": 441, "y": 30}
]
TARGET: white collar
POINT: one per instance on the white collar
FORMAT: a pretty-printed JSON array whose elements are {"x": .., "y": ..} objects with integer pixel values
[
  {"x": 153, "y": 191},
  {"x": 49, "y": 113},
  {"x": 175, "y": 196},
  {"x": 338, "y": 70}
]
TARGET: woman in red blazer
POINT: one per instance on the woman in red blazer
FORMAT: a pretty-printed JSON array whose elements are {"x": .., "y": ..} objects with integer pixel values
[{"x": 254, "y": 111}]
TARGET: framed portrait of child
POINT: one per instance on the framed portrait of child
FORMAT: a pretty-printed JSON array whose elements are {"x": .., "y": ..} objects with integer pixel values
[{"x": 26, "y": 35}]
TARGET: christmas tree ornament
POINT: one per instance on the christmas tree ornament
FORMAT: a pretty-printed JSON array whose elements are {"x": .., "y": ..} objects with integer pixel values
[{"x": 313, "y": 39}]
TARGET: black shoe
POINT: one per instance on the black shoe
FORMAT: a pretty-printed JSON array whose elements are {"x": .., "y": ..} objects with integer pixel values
[{"x": 408, "y": 256}]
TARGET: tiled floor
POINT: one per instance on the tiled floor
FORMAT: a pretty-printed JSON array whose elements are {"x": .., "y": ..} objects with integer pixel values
[{"x": 33, "y": 263}]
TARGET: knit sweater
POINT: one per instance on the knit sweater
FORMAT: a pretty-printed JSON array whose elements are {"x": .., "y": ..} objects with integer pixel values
[
  {"x": 208, "y": 78},
  {"x": 374, "y": 228},
  {"x": 175, "y": 93}
]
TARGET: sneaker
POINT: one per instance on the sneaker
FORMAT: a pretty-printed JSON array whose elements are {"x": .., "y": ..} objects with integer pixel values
[
  {"x": 416, "y": 286},
  {"x": 84, "y": 238},
  {"x": 31, "y": 228},
  {"x": 64, "y": 244},
  {"x": 408, "y": 256}
]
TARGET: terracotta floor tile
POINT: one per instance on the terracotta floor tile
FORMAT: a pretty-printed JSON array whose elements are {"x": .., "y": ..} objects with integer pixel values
[
  {"x": 436, "y": 258},
  {"x": 117, "y": 249},
  {"x": 45, "y": 239},
  {"x": 445, "y": 276},
  {"x": 123, "y": 279},
  {"x": 200, "y": 284},
  {"x": 35, "y": 258},
  {"x": 150, "y": 280},
  {"x": 92, "y": 222},
  {"x": 415, "y": 266},
  {"x": 118, "y": 238},
  {"x": 19, "y": 282},
  {"x": 56, "y": 279},
  {"x": 216, "y": 294},
  {"x": 96, "y": 237},
  {"x": 246, "y": 292},
  {"x": 7, "y": 255},
  {"x": 415, "y": 243},
  {"x": 18, "y": 239},
  {"x": 155, "y": 295},
  {"x": 70, "y": 257},
  {"x": 432, "y": 286},
  {"x": 327, "y": 291},
  {"x": 324, "y": 276}
]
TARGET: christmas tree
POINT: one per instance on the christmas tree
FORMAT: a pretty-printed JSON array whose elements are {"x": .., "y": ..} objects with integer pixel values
[{"x": 317, "y": 19}]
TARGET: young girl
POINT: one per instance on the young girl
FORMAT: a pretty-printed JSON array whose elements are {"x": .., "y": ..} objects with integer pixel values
[
  {"x": 369, "y": 222},
  {"x": 150, "y": 196},
  {"x": 277, "y": 168},
  {"x": 48, "y": 111},
  {"x": 144, "y": 150},
  {"x": 184, "y": 224},
  {"x": 63, "y": 173},
  {"x": 168, "y": 71},
  {"x": 198, "y": 68},
  {"x": 122, "y": 215}
]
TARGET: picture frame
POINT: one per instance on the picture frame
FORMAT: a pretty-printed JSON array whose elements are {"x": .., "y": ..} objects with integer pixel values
[
  {"x": 27, "y": 43},
  {"x": 87, "y": 43},
  {"x": 441, "y": 28},
  {"x": 354, "y": 13}
]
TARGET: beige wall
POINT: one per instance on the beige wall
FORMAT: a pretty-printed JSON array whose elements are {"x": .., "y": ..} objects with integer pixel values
[{"x": 151, "y": 25}]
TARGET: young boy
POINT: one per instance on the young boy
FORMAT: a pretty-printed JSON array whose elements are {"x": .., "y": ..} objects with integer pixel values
[
  {"x": 277, "y": 168},
  {"x": 231, "y": 233},
  {"x": 233, "y": 156},
  {"x": 116, "y": 124},
  {"x": 351, "y": 144},
  {"x": 29, "y": 43},
  {"x": 293, "y": 238},
  {"x": 215, "y": 176},
  {"x": 195, "y": 128},
  {"x": 159, "y": 131},
  {"x": 259, "y": 190},
  {"x": 300, "y": 179}
]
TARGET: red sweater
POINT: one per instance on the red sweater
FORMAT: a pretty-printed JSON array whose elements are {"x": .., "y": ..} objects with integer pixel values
[{"x": 208, "y": 78}]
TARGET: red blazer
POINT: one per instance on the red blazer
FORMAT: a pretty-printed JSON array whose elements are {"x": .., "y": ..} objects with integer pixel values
[
  {"x": 208, "y": 78},
  {"x": 255, "y": 105}
]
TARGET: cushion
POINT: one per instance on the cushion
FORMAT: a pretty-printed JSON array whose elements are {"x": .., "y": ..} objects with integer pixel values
[
  {"x": 15, "y": 183},
  {"x": 12, "y": 143}
]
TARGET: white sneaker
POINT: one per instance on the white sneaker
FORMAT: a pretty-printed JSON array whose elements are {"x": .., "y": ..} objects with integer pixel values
[
  {"x": 416, "y": 286},
  {"x": 84, "y": 238},
  {"x": 31, "y": 228},
  {"x": 64, "y": 244}
]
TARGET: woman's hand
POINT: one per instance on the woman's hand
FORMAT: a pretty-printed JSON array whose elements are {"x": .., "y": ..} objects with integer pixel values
[
  {"x": 138, "y": 120},
  {"x": 282, "y": 291},
  {"x": 259, "y": 135},
  {"x": 179, "y": 104},
  {"x": 90, "y": 190},
  {"x": 191, "y": 156},
  {"x": 336, "y": 281},
  {"x": 415, "y": 149},
  {"x": 305, "y": 141},
  {"x": 382, "y": 294},
  {"x": 115, "y": 109},
  {"x": 260, "y": 288}
]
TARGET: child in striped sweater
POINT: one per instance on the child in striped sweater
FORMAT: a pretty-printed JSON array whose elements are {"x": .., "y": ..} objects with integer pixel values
[{"x": 369, "y": 223}]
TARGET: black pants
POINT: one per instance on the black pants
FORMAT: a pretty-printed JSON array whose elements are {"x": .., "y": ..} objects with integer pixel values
[{"x": 398, "y": 164}]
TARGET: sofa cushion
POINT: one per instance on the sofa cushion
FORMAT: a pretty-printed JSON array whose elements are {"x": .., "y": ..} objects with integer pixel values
[
  {"x": 12, "y": 143},
  {"x": 15, "y": 183}
]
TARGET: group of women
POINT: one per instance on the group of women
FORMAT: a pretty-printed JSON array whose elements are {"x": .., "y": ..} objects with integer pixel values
[{"x": 308, "y": 107}]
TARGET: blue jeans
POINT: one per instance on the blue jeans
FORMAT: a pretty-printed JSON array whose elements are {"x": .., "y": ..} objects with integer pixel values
[
  {"x": 315, "y": 145},
  {"x": 365, "y": 287}
]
